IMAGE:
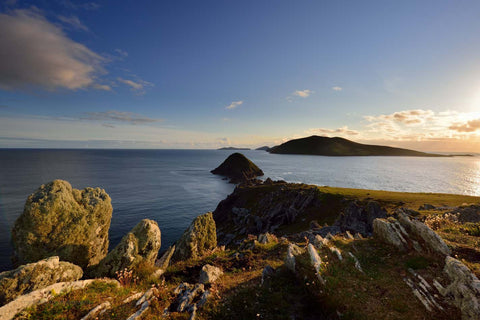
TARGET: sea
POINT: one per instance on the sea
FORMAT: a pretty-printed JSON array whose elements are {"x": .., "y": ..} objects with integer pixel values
[{"x": 174, "y": 186}]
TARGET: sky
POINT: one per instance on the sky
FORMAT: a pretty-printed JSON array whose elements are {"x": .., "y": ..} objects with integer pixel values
[{"x": 208, "y": 74}]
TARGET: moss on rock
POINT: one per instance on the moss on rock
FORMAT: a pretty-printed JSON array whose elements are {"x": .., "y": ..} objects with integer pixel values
[
  {"x": 198, "y": 239},
  {"x": 60, "y": 220},
  {"x": 140, "y": 245},
  {"x": 34, "y": 276}
]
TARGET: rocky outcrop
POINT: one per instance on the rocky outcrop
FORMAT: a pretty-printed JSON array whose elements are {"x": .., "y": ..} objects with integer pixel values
[
  {"x": 238, "y": 168},
  {"x": 292, "y": 251},
  {"x": 189, "y": 298},
  {"x": 465, "y": 288},
  {"x": 34, "y": 276},
  {"x": 359, "y": 219},
  {"x": 197, "y": 240},
  {"x": 265, "y": 208},
  {"x": 406, "y": 234},
  {"x": 140, "y": 245},
  {"x": 164, "y": 261},
  {"x": 209, "y": 274},
  {"x": 31, "y": 299},
  {"x": 61, "y": 221}
]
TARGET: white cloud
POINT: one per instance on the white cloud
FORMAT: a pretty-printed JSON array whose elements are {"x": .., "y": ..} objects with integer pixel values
[
  {"x": 303, "y": 93},
  {"x": 73, "y": 22},
  {"x": 337, "y": 88},
  {"x": 139, "y": 86},
  {"x": 36, "y": 52},
  {"x": 233, "y": 105},
  {"x": 121, "y": 53}
]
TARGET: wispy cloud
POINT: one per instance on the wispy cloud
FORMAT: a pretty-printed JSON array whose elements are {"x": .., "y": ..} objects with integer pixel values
[
  {"x": 339, "y": 131},
  {"x": 36, "y": 52},
  {"x": 121, "y": 53},
  {"x": 80, "y": 5},
  {"x": 118, "y": 116},
  {"x": 138, "y": 85},
  {"x": 233, "y": 105},
  {"x": 73, "y": 22},
  {"x": 337, "y": 88},
  {"x": 303, "y": 93}
]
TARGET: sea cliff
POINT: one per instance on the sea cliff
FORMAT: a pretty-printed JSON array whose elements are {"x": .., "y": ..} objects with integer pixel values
[{"x": 270, "y": 250}]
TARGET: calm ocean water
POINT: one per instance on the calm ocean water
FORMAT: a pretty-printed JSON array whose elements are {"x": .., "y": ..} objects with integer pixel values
[{"x": 173, "y": 186}]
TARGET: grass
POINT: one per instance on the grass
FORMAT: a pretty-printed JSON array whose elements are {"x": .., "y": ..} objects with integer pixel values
[{"x": 380, "y": 290}]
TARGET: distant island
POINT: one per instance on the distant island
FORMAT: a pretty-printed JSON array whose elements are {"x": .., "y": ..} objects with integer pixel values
[
  {"x": 325, "y": 146},
  {"x": 264, "y": 148},
  {"x": 233, "y": 148}
]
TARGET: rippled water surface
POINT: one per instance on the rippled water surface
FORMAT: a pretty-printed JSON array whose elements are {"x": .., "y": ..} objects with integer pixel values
[{"x": 173, "y": 186}]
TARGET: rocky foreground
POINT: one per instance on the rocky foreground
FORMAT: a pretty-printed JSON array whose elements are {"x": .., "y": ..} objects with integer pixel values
[{"x": 271, "y": 250}]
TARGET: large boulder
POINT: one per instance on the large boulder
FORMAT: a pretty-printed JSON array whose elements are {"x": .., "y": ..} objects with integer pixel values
[
  {"x": 198, "y": 239},
  {"x": 140, "y": 245},
  {"x": 209, "y": 274},
  {"x": 61, "y": 221},
  {"x": 238, "y": 168},
  {"x": 34, "y": 276}
]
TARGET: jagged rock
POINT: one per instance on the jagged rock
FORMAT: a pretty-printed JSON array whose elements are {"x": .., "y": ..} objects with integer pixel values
[
  {"x": 357, "y": 218},
  {"x": 427, "y": 206},
  {"x": 430, "y": 240},
  {"x": 390, "y": 231},
  {"x": 292, "y": 251},
  {"x": 357, "y": 263},
  {"x": 33, "y": 298},
  {"x": 61, "y": 221},
  {"x": 266, "y": 238},
  {"x": 238, "y": 168},
  {"x": 267, "y": 275},
  {"x": 278, "y": 206},
  {"x": 337, "y": 252},
  {"x": 140, "y": 245},
  {"x": 314, "y": 224},
  {"x": 316, "y": 262},
  {"x": 209, "y": 274},
  {"x": 406, "y": 234},
  {"x": 465, "y": 288},
  {"x": 186, "y": 295},
  {"x": 197, "y": 240},
  {"x": 34, "y": 276},
  {"x": 98, "y": 310},
  {"x": 164, "y": 261}
]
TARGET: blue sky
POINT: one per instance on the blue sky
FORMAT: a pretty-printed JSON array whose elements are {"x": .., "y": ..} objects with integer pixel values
[{"x": 206, "y": 74}]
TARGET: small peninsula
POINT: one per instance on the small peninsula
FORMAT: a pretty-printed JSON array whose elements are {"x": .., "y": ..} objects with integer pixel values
[
  {"x": 264, "y": 148},
  {"x": 325, "y": 146}
]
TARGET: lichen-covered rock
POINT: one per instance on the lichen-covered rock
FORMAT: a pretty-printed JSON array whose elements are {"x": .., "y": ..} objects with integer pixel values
[
  {"x": 198, "y": 239},
  {"x": 406, "y": 234},
  {"x": 164, "y": 261},
  {"x": 237, "y": 167},
  {"x": 390, "y": 231},
  {"x": 209, "y": 274},
  {"x": 292, "y": 251},
  {"x": 61, "y": 221},
  {"x": 465, "y": 288},
  {"x": 140, "y": 245},
  {"x": 34, "y": 276},
  {"x": 40, "y": 296},
  {"x": 429, "y": 239}
]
